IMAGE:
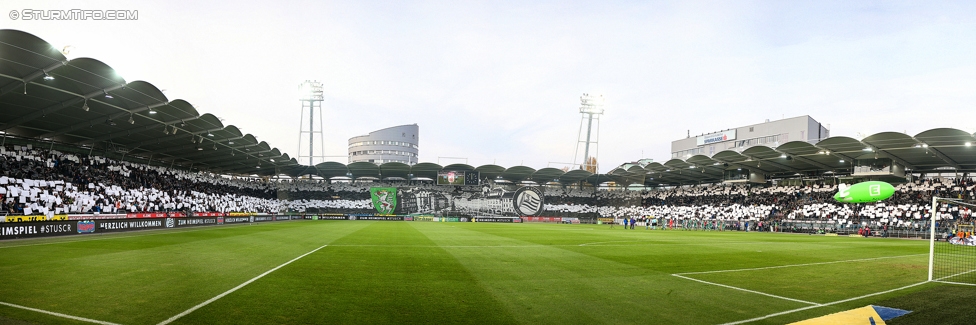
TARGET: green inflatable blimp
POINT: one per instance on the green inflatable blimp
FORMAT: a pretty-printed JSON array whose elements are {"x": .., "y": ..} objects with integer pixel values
[{"x": 864, "y": 192}]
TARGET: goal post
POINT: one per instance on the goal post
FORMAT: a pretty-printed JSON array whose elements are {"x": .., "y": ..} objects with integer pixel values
[{"x": 951, "y": 261}]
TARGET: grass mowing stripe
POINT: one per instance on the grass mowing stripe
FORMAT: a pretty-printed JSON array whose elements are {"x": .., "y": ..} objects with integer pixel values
[
  {"x": 795, "y": 265},
  {"x": 178, "y": 316},
  {"x": 746, "y": 290},
  {"x": 57, "y": 314},
  {"x": 822, "y": 305}
]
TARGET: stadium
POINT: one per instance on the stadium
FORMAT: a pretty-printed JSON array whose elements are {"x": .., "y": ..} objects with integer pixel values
[{"x": 124, "y": 206}]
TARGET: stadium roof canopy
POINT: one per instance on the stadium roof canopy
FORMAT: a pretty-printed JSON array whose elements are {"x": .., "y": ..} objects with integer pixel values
[
  {"x": 83, "y": 105},
  {"x": 932, "y": 151}
]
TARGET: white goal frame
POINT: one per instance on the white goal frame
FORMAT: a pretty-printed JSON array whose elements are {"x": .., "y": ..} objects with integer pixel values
[{"x": 934, "y": 211}]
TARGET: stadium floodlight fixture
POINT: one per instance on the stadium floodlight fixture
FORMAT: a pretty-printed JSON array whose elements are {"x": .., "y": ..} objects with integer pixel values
[
  {"x": 152, "y": 111},
  {"x": 199, "y": 148},
  {"x": 925, "y": 145},
  {"x": 131, "y": 120},
  {"x": 47, "y": 76},
  {"x": 84, "y": 106},
  {"x": 592, "y": 104},
  {"x": 783, "y": 156},
  {"x": 842, "y": 161},
  {"x": 107, "y": 95},
  {"x": 969, "y": 144},
  {"x": 209, "y": 134},
  {"x": 867, "y": 149},
  {"x": 311, "y": 90}
]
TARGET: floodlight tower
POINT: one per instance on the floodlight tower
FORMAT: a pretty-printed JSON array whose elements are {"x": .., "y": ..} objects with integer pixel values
[
  {"x": 591, "y": 107},
  {"x": 311, "y": 98}
]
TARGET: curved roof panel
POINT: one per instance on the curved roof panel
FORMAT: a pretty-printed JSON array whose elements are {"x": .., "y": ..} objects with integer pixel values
[
  {"x": 459, "y": 167},
  {"x": 395, "y": 169},
  {"x": 517, "y": 173},
  {"x": 547, "y": 174},
  {"x": 490, "y": 171},
  {"x": 425, "y": 170},
  {"x": 331, "y": 169}
]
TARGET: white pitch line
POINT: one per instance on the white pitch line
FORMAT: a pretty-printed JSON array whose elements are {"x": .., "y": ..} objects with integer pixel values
[
  {"x": 58, "y": 314},
  {"x": 747, "y": 290},
  {"x": 202, "y": 304},
  {"x": 822, "y": 305},
  {"x": 950, "y": 282},
  {"x": 955, "y": 275},
  {"x": 796, "y": 265}
]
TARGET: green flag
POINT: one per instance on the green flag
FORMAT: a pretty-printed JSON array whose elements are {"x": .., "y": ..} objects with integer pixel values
[{"x": 384, "y": 199}]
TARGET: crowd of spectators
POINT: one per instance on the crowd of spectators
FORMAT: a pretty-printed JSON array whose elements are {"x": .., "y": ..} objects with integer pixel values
[{"x": 35, "y": 181}]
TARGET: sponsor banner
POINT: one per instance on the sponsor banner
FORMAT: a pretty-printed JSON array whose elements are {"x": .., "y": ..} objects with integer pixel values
[
  {"x": 208, "y": 214},
  {"x": 95, "y": 216},
  {"x": 716, "y": 137},
  {"x": 124, "y": 225},
  {"x": 186, "y": 222},
  {"x": 36, "y": 218},
  {"x": 382, "y": 218},
  {"x": 542, "y": 219},
  {"x": 236, "y": 219},
  {"x": 496, "y": 219},
  {"x": 261, "y": 218},
  {"x": 451, "y": 219},
  {"x": 571, "y": 220},
  {"x": 423, "y": 218},
  {"x": 220, "y": 220},
  {"x": 333, "y": 217},
  {"x": 38, "y": 229},
  {"x": 147, "y": 215},
  {"x": 384, "y": 199},
  {"x": 279, "y": 218},
  {"x": 297, "y": 218},
  {"x": 408, "y": 218},
  {"x": 177, "y": 214},
  {"x": 86, "y": 227},
  {"x": 242, "y": 214}
]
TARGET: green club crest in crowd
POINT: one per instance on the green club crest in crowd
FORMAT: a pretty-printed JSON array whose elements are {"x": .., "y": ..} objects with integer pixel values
[{"x": 384, "y": 199}]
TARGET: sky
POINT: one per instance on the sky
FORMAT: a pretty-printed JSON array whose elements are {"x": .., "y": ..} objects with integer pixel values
[{"x": 499, "y": 82}]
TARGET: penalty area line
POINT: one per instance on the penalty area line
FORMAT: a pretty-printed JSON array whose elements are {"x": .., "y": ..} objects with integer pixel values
[
  {"x": 747, "y": 290},
  {"x": 57, "y": 314},
  {"x": 202, "y": 304}
]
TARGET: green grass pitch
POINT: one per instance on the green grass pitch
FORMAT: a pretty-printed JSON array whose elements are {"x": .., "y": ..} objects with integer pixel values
[{"x": 375, "y": 272}]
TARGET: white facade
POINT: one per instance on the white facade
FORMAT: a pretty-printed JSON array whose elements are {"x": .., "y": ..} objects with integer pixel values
[
  {"x": 393, "y": 144},
  {"x": 770, "y": 134}
]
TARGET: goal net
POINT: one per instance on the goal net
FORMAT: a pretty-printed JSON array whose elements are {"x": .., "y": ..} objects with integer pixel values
[{"x": 952, "y": 242}]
